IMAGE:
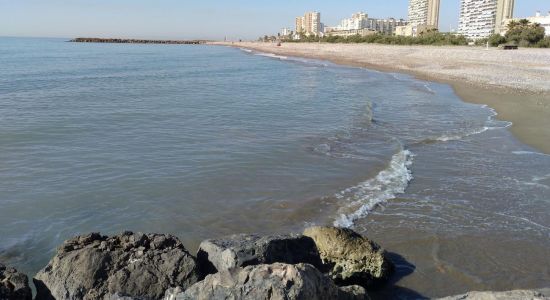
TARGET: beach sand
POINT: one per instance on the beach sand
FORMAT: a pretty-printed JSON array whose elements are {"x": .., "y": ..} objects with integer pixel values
[{"x": 515, "y": 83}]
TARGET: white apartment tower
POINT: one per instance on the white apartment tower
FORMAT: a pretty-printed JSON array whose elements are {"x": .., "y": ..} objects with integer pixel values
[
  {"x": 310, "y": 23},
  {"x": 424, "y": 12},
  {"x": 481, "y": 18}
]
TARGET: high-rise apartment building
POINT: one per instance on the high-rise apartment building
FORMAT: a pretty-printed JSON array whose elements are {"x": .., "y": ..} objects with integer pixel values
[
  {"x": 424, "y": 12},
  {"x": 481, "y": 18},
  {"x": 309, "y": 24},
  {"x": 505, "y": 10}
]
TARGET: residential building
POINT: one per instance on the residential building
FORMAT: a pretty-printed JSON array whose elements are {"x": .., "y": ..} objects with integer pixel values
[
  {"x": 544, "y": 21},
  {"x": 300, "y": 25},
  {"x": 286, "y": 32},
  {"x": 385, "y": 26},
  {"x": 481, "y": 18},
  {"x": 309, "y": 24},
  {"x": 413, "y": 30},
  {"x": 505, "y": 10},
  {"x": 356, "y": 22},
  {"x": 361, "y": 21},
  {"x": 424, "y": 12},
  {"x": 335, "y": 31}
]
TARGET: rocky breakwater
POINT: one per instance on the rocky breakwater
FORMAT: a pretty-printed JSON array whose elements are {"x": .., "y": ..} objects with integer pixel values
[
  {"x": 155, "y": 266},
  {"x": 141, "y": 266},
  {"x": 136, "y": 41},
  {"x": 13, "y": 284}
]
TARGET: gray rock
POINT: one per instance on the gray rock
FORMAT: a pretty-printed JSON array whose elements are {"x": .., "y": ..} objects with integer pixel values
[
  {"x": 244, "y": 250},
  {"x": 350, "y": 257},
  {"x": 508, "y": 295},
  {"x": 14, "y": 285},
  {"x": 275, "y": 281},
  {"x": 142, "y": 266}
]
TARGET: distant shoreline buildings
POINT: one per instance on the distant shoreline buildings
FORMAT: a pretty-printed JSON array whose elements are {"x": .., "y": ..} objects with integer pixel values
[
  {"x": 361, "y": 24},
  {"x": 477, "y": 19}
]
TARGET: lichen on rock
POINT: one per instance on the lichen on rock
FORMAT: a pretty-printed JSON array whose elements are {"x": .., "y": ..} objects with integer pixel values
[{"x": 350, "y": 257}]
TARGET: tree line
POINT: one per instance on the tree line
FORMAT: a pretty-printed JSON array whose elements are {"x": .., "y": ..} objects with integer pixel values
[{"x": 522, "y": 33}]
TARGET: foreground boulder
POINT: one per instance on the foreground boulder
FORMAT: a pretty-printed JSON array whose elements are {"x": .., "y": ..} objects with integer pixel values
[
  {"x": 275, "y": 281},
  {"x": 543, "y": 294},
  {"x": 350, "y": 257},
  {"x": 138, "y": 265},
  {"x": 243, "y": 250},
  {"x": 14, "y": 285}
]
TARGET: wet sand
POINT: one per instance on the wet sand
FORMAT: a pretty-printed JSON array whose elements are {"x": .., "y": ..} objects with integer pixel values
[{"x": 515, "y": 83}]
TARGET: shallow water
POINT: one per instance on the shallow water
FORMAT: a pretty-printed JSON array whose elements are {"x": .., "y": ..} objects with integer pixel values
[{"x": 203, "y": 141}]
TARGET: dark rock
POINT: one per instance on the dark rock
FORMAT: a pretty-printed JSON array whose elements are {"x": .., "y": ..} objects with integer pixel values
[
  {"x": 350, "y": 257},
  {"x": 14, "y": 285},
  {"x": 244, "y": 250},
  {"x": 275, "y": 281},
  {"x": 138, "y": 265}
]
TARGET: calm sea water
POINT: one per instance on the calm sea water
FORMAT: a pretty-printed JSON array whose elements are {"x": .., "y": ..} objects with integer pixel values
[{"x": 203, "y": 141}]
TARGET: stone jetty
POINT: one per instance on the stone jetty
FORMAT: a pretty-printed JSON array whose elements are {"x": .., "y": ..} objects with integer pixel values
[
  {"x": 323, "y": 263},
  {"x": 137, "y": 41}
]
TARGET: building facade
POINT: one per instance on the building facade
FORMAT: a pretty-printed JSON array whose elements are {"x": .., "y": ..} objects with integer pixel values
[
  {"x": 286, "y": 32},
  {"x": 334, "y": 31},
  {"x": 356, "y": 22},
  {"x": 309, "y": 24},
  {"x": 363, "y": 25},
  {"x": 424, "y": 12},
  {"x": 413, "y": 30},
  {"x": 481, "y": 18},
  {"x": 385, "y": 26}
]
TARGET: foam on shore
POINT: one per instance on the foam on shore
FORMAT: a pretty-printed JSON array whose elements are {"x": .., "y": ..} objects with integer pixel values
[{"x": 368, "y": 194}]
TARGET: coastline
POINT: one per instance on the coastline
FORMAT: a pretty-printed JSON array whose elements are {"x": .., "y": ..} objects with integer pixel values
[{"x": 514, "y": 83}]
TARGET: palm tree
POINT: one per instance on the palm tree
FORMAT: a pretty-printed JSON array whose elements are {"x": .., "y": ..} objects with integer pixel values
[
  {"x": 524, "y": 22},
  {"x": 512, "y": 24}
]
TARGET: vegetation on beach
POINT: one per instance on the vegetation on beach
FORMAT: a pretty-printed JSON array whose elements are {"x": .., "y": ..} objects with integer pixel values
[
  {"x": 432, "y": 37},
  {"x": 521, "y": 33}
]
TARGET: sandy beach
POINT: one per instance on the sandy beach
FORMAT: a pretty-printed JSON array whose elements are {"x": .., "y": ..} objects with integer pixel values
[{"x": 515, "y": 83}]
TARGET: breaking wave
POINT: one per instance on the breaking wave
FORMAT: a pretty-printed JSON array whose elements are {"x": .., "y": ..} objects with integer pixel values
[
  {"x": 271, "y": 55},
  {"x": 364, "y": 197}
]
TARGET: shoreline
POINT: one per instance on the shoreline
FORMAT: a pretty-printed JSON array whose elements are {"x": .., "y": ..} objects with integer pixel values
[{"x": 527, "y": 106}]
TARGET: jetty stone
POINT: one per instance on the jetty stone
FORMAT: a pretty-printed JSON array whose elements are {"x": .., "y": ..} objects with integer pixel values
[
  {"x": 274, "y": 281},
  {"x": 93, "y": 266},
  {"x": 351, "y": 258},
  {"x": 13, "y": 284},
  {"x": 244, "y": 249}
]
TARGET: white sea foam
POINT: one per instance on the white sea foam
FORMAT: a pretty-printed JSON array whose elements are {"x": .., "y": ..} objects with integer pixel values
[
  {"x": 246, "y": 50},
  {"x": 529, "y": 153},
  {"x": 365, "y": 196},
  {"x": 490, "y": 121},
  {"x": 429, "y": 89},
  {"x": 271, "y": 55},
  {"x": 459, "y": 136}
]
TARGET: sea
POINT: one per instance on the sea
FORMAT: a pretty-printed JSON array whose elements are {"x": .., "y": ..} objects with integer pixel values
[{"x": 204, "y": 141}]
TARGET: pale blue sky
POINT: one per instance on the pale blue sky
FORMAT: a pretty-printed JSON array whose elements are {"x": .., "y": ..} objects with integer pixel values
[{"x": 183, "y": 19}]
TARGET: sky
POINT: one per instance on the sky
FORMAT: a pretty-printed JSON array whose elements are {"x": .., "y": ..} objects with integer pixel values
[{"x": 204, "y": 19}]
